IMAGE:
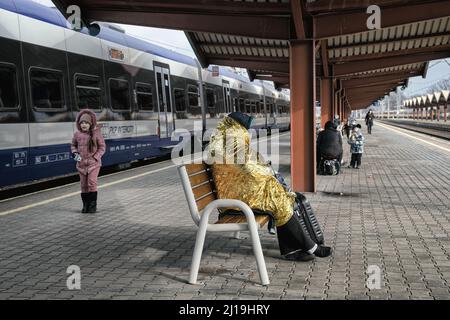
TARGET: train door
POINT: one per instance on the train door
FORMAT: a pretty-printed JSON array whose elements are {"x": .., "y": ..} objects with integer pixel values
[
  {"x": 227, "y": 105},
  {"x": 166, "y": 122},
  {"x": 15, "y": 160}
]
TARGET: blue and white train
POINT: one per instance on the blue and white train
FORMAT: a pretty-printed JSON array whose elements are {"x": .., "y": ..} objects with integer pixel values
[{"x": 140, "y": 93}]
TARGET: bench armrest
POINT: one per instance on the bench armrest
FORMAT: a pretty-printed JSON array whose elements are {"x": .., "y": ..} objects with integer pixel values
[{"x": 228, "y": 203}]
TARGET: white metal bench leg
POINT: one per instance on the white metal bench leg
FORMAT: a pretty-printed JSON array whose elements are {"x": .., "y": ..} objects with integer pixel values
[
  {"x": 198, "y": 249},
  {"x": 257, "y": 251}
]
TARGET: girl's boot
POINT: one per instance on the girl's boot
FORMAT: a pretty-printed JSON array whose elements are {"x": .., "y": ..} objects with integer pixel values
[
  {"x": 85, "y": 199},
  {"x": 92, "y": 207}
]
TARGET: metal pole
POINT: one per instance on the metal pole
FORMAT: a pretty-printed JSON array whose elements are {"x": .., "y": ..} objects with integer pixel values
[
  {"x": 388, "y": 107},
  {"x": 202, "y": 95},
  {"x": 264, "y": 102}
]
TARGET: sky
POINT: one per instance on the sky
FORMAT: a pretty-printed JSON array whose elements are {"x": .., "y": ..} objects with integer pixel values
[{"x": 176, "y": 41}]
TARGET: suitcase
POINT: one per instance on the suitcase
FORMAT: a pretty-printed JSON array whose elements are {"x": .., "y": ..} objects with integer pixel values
[
  {"x": 308, "y": 220},
  {"x": 305, "y": 213}
]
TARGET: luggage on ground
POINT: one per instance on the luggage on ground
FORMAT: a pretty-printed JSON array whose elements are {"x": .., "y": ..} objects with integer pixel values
[
  {"x": 329, "y": 167},
  {"x": 308, "y": 219}
]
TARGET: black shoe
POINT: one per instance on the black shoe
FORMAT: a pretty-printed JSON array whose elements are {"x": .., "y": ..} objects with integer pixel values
[
  {"x": 357, "y": 167},
  {"x": 299, "y": 256},
  {"x": 322, "y": 251},
  {"x": 92, "y": 207},
  {"x": 84, "y": 198}
]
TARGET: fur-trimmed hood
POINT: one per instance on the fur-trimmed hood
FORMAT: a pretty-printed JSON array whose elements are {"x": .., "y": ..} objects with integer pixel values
[{"x": 94, "y": 125}]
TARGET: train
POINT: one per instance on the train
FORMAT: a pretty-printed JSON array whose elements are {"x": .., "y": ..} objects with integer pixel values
[{"x": 141, "y": 92}]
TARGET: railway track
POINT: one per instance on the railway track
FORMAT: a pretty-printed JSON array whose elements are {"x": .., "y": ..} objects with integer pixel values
[{"x": 432, "y": 129}]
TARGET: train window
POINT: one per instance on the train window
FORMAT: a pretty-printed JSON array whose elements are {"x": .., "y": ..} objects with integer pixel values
[
  {"x": 235, "y": 104},
  {"x": 253, "y": 106},
  {"x": 9, "y": 98},
  {"x": 210, "y": 98},
  {"x": 180, "y": 101},
  {"x": 47, "y": 89},
  {"x": 241, "y": 105},
  {"x": 144, "y": 96},
  {"x": 88, "y": 93},
  {"x": 247, "y": 106},
  {"x": 119, "y": 91},
  {"x": 193, "y": 96}
]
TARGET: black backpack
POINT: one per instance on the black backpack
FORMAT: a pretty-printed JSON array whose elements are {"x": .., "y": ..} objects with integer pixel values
[
  {"x": 307, "y": 219},
  {"x": 329, "y": 167}
]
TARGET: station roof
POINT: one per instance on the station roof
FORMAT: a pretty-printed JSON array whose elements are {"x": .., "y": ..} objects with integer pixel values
[
  {"x": 255, "y": 34},
  {"x": 438, "y": 97}
]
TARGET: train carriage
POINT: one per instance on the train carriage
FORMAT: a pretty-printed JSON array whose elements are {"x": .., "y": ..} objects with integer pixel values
[{"x": 139, "y": 91}]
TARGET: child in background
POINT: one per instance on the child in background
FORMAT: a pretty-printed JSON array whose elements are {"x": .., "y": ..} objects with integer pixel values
[
  {"x": 356, "y": 141},
  {"x": 88, "y": 147}
]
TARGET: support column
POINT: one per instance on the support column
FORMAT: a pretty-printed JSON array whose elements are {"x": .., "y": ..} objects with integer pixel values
[
  {"x": 326, "y": 101},
  {"x": 303, "y": 137},
  {"x": 445, "y": 112}
]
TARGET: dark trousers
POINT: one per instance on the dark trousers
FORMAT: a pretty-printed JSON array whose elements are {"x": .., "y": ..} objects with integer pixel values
[
  {"x": 356, "y": 160},
  {"x": 369, "y": 128},
  {"x": 292, "y": 237}
]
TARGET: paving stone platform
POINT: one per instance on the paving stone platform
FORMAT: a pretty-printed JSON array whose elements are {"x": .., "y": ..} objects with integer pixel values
[{"x": 393, "y": 213}]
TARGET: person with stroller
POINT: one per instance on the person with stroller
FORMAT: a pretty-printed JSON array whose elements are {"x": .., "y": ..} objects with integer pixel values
[{"x": 329, "y": 146}]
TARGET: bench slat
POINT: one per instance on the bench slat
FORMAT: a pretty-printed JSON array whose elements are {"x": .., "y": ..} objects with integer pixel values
[
  {"x": 194, "y": 168},
  {"x": 261, "y": 220},
  {"x": 202, "y": 190},
  {"x": 198, "y": 179},
  {"x": 201, "y": 204}
]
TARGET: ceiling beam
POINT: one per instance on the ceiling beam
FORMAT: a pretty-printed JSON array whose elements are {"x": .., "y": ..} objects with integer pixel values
[
  {"x": 395, "y": 53},
  {"x": 363, "y": 82},
  {"x": 267, "y": 27},
  {"x": 369, "y": 90},
  {"x": 392, "y": 42},
  {"x": 274, "y": 79},
  {"x": 188, "y": 6},
  {"x": 374, "y": 64},
  {"x": 325, "y": 59},
  {"x": 332, "y": 25},
  {"x": 250, "y": 64},
  {"x": 297, "y": 16},
  {"x": 327, "y": 5},
  {"x": 407, "y": 73}
]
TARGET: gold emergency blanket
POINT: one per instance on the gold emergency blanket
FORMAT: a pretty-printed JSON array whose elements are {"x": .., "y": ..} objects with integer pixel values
[{"x": 240, "y": 173}]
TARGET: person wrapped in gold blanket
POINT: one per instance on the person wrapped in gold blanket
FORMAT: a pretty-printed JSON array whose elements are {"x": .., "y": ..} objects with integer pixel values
[{"x": 241, "y": 173}]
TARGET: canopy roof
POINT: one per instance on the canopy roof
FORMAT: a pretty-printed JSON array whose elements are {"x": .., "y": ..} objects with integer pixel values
[{"x": 256, "y": 35}]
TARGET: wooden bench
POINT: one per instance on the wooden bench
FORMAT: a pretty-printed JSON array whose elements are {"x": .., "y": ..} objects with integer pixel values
[{"x": 200, "y": 194}]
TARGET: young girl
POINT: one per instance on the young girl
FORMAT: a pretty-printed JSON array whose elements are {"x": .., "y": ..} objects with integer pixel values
[
  {"x": 356, "y": 141},
  {"x": 88, "y": 147}
]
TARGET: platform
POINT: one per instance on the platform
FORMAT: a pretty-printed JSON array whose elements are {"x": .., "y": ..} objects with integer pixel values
[{"x": 393, "y": 213}]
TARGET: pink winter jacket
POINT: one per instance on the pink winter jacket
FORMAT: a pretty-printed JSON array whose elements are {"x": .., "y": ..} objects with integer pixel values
[{"x": 80, "y": 143}]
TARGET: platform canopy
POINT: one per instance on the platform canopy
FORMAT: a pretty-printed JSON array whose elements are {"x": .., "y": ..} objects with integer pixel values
[
  {"x": 314, "y": 47},
  {"x": 256, "y": 35}
]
